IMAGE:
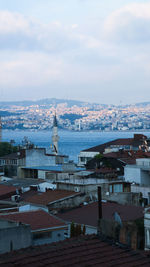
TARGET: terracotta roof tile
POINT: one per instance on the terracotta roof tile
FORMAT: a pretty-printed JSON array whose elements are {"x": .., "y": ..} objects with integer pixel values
[
  {"x": 6, "y": 191},
  {"x": 135, "y": 141},
  {"x": 36, "y": 219},
  {"x": 82, "y": 251},
  {"x": 88, "y": 214},
  {"x": 50, "y": 196},
  {"x": 101, "y": 148}
]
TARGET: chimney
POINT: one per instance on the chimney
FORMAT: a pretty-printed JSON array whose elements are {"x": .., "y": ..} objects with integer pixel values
[{"x": 99, "y": 203}]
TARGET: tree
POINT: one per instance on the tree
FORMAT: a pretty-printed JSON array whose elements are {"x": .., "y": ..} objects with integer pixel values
[
  {"x": 7, "y": 148},
  {"x": 83, "y": 230},
  {"x": 72, "y": 230},
  {"x": 75, "y": 230},
  {"x": 99, "y": 156}
]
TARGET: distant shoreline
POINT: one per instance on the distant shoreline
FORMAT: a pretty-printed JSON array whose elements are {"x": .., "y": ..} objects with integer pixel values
[{"x": 82, "y": 131}]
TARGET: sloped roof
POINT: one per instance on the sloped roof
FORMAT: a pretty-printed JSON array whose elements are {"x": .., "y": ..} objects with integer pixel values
[
  {"x": 6, "y": 189},
  {"x": 36, "y": 219},
  {"x": 137, "y": 140},
  {"x": 88, "y": 214},
  {"x": 50, "y": 196},
  {"x": 101, "y": 148},
  {"x": 81, "y": 251}
]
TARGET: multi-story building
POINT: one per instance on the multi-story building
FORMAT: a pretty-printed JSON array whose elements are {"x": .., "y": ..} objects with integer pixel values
[{"x": 138, "y": 142}]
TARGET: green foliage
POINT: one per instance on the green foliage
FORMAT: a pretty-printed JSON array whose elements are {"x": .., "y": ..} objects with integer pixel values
[
  {"x": 6, "y": 148},
  {"x": 79, "y": 229},
  {"x": 140, "y": 226},
  {"x": 84, "y": 230},
  {"x": 108, "y": 164},
  {"x": 72, "y": 230},
  {"x": 98, "y": 156},
  {"x": 75, "y": 230}
]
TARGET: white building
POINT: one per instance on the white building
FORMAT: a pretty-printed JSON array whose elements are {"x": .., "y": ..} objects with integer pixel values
[
  {"x": 147, "y": 228},
  {"x": 139, "y": 141},
  {"x": 138, "y": 173}
]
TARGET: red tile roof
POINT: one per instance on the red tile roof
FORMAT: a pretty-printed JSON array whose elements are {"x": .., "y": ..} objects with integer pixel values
[
  {"x": 6, "y": 191},
  {"x": 88, "y": 214},
  {"x": 135, "y": 141},
  {"x": 36, "y": 219},
  {"x": 126, "y": 212},
  {"x": 101, "y": 148},
  {"x": 77, "y": 252},
  {"x": 50, "y": 196}
]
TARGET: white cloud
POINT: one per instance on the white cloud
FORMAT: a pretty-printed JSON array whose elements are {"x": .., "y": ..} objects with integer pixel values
[
  {"x": 20, "y": 32},
  {"x": 129, "y": 24},
  {"x": 29, "y": 69},
  {"x": 48, "y": 60}
]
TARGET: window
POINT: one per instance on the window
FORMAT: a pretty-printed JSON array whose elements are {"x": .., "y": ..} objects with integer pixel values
[
  {"x": 82, "y": 159},
  {"x": 110, "y": 188},
  {"x": 42, "y": 235},
  {"x": 118, "y": 188}
]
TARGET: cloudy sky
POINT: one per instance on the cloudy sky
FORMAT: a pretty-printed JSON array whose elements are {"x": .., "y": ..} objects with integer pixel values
[{"x": 92, "y": 50}]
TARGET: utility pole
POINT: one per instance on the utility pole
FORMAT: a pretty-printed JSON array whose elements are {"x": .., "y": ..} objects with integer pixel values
[{"x": 0, "y": 130}]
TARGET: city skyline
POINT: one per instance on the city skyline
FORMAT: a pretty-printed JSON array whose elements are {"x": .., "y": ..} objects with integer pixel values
[{"x": 80, "y": 49}]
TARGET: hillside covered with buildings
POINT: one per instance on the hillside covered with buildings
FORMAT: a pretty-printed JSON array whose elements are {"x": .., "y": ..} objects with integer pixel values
[{"x": 74, "y": 115}]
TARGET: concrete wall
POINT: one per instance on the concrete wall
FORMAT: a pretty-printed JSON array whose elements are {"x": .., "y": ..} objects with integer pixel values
[
  {"x": 109, "y": 229},
  {"x": 128, "y": 233},
  {"x": 30, "y": 207},
  {"x": 123, "y": 198},
  {"x": 145, "y": 190},
  {"x": 37, "y": 157},
  {"x": 69, "y": 202},
  {"x": 143, "y": 162},
  {"x": 14, "y": 237},
  {"x": 132, "y": 174},
  {"x": 79, "y": 187},
  {"x": 147, "y": 229},
  {"x": 85, "y": 156},
  {"x": 54, "y": 235},
  {"x": 145, "y": 177},
  {"x": 137, "y": 174}
]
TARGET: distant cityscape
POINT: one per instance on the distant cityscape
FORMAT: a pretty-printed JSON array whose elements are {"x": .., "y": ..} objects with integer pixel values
[{"x": 74, "y": 115}]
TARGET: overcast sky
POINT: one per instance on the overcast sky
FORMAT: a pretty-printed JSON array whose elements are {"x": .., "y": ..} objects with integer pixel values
[{"x": 92, "y": 50}]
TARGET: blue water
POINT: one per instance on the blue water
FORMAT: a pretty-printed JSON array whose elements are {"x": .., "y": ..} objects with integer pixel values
[{"x": 70, "y": 143}]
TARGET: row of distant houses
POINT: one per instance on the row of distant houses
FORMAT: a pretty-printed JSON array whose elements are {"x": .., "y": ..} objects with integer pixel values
[
  {"x": 38, "y": 217},
  {"x": 41, "y": 194}
]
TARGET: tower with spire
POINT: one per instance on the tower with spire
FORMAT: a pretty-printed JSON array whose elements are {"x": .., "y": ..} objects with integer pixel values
[{"x": 55, "y": 137}]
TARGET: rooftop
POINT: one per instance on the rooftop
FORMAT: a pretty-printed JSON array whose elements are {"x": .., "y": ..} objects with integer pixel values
[
  {"x": 50, "y": 196},
  {"x": 36, "y": 219},
  {"x": 137, "y": 140},
  {"x": 5, "y": 189},
  {"x": 53, "y": 168},
  {"x": 81, "y": 251},
  {"x": 88, "y": 214},
  {"x": 27, "y": 182}
]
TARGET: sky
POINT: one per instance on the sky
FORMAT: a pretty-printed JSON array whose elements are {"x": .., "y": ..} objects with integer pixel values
[{"x": 88, "y": 50}]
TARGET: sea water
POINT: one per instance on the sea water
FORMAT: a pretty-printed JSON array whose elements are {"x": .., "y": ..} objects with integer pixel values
[{"x": 70, "y": 142}]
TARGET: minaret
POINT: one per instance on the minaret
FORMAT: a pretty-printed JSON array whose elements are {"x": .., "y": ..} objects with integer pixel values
[
  {"x": 0, "y": 130},
  {"x": 55, "y": 136}
]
